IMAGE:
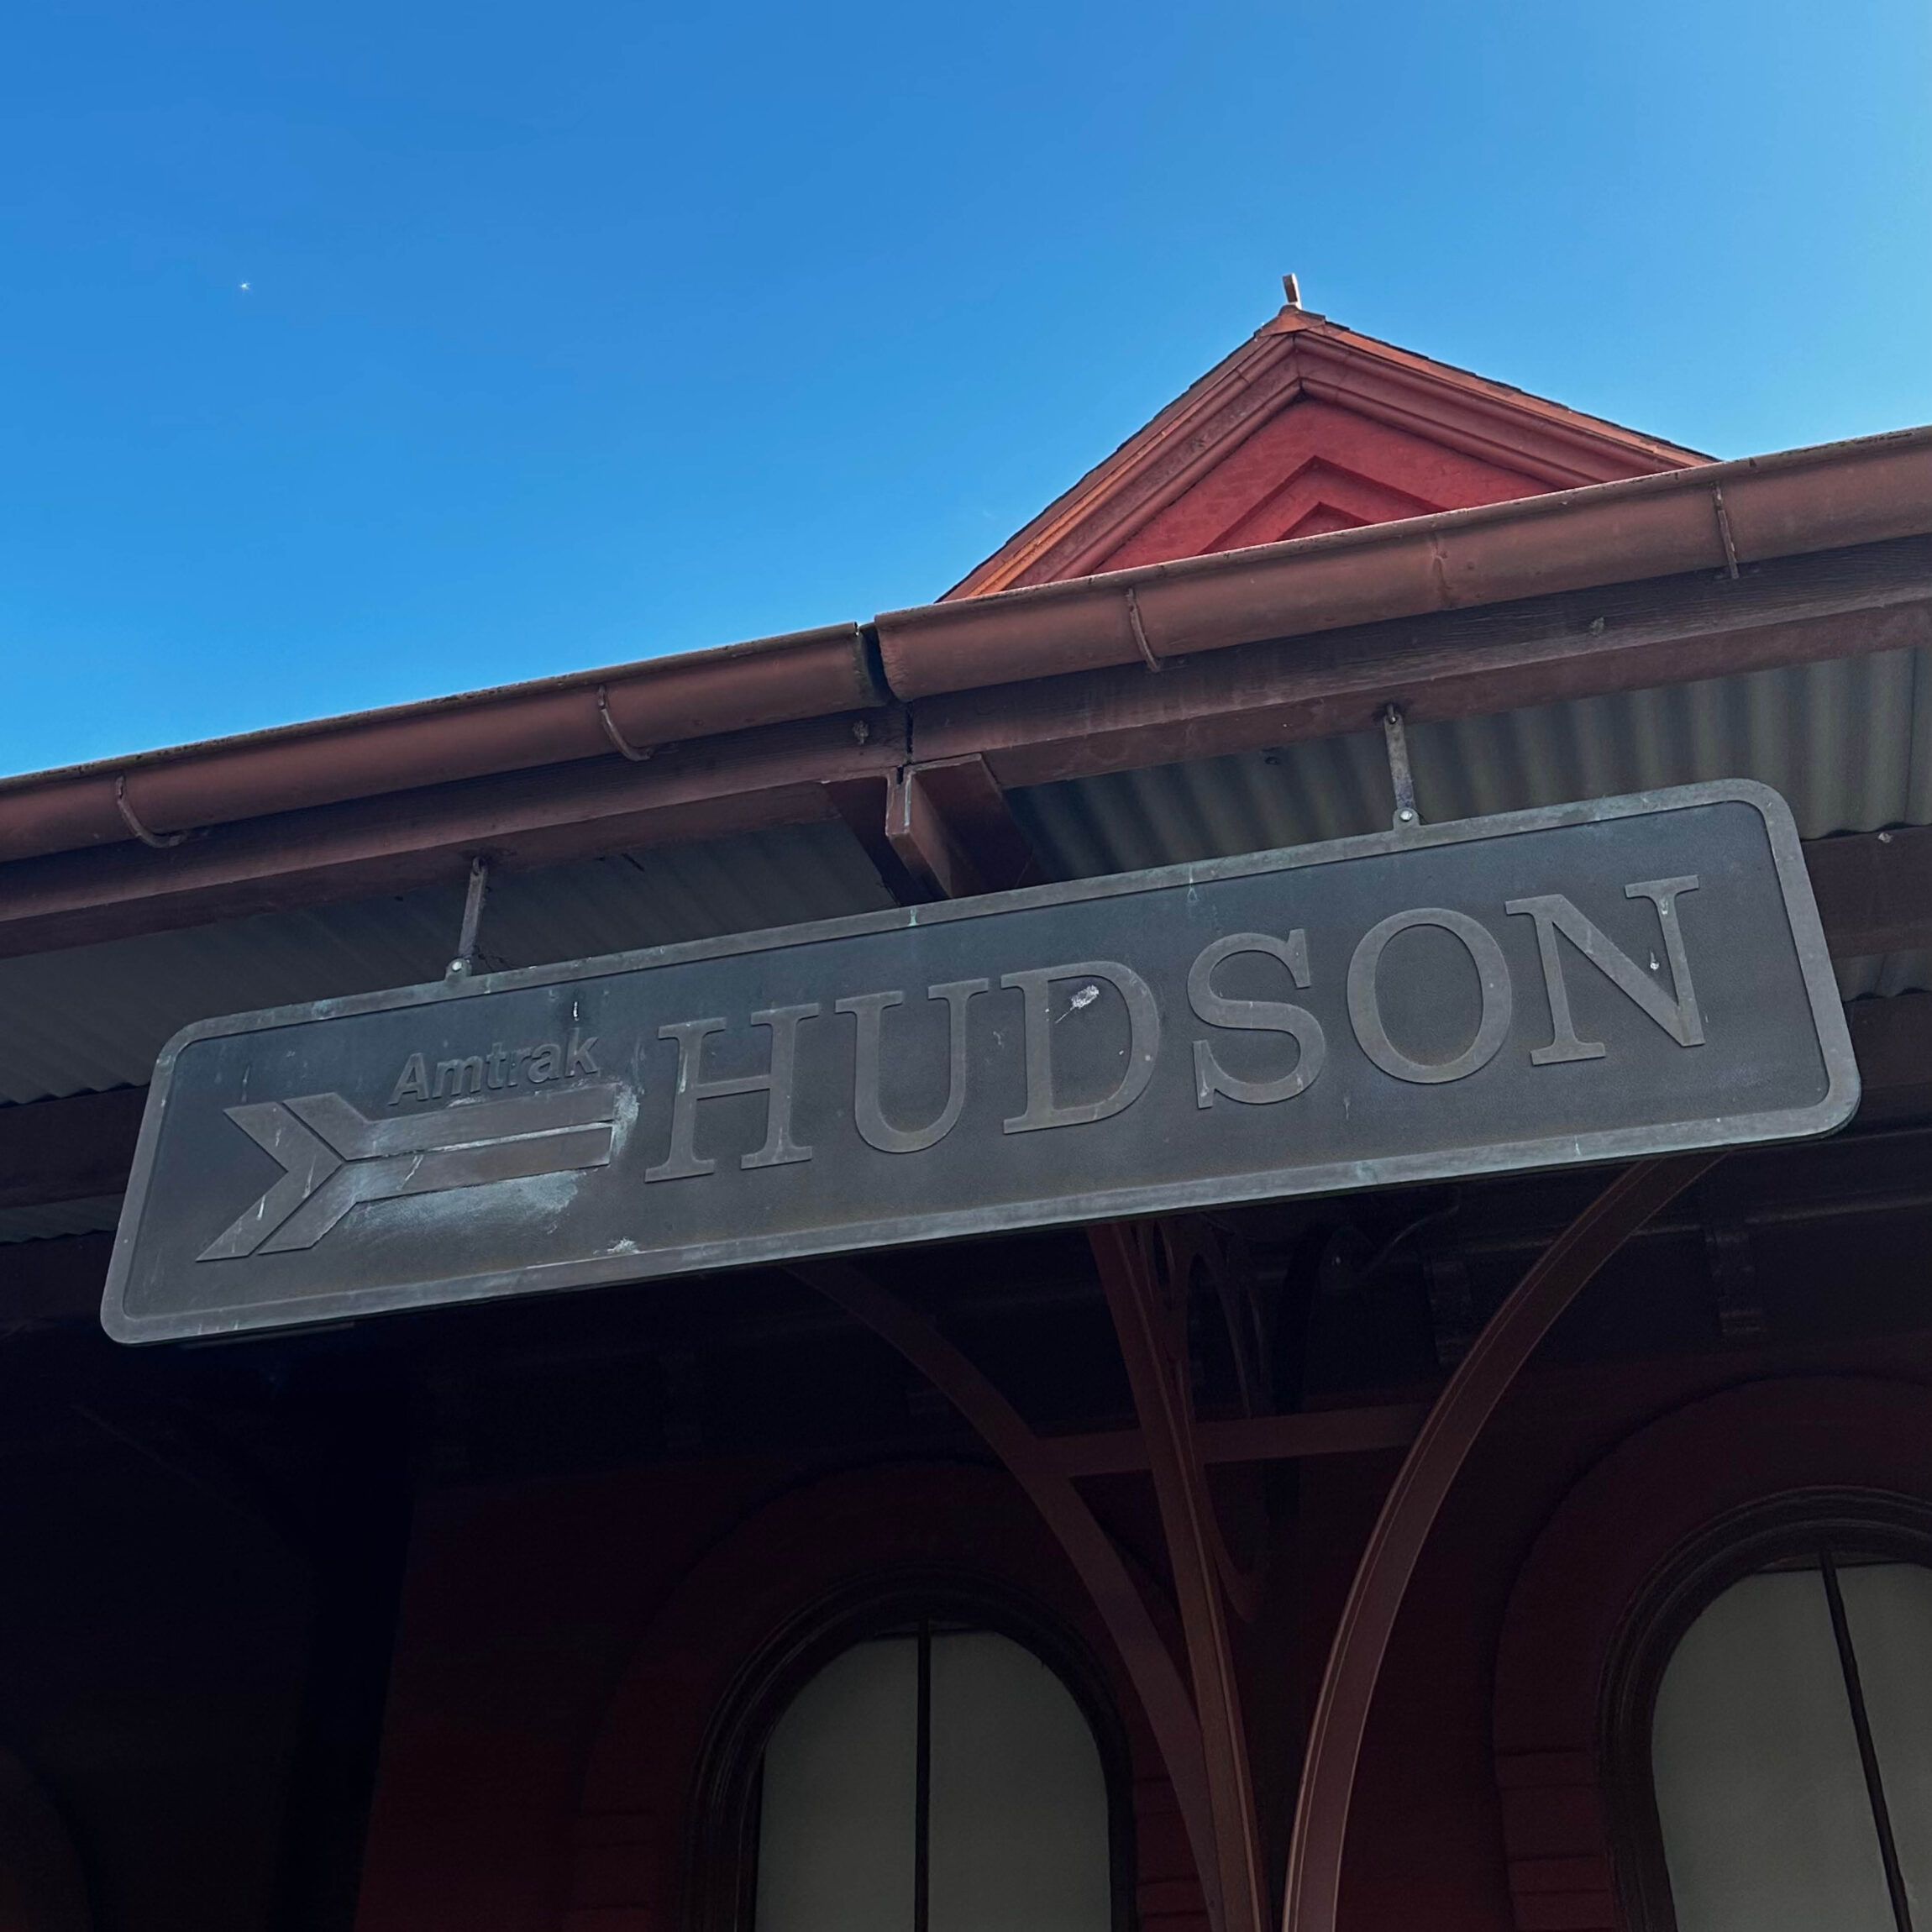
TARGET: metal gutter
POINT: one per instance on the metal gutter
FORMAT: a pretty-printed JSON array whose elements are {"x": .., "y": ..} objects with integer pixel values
[
  {"x": 636, "y": 709},
  {"x": 1711, "y": 518}
]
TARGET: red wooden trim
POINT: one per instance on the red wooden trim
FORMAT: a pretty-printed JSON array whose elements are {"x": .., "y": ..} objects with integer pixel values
[
  {"x": 1302, "y": 352},
  {"x": 950, "y": 826},
  {"x": 1214, "y": 701}
]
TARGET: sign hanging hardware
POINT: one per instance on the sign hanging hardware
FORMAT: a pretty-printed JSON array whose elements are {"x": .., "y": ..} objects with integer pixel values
[
  {"x": 1400, "y": 777},
  {"x": 464, "y": 963}
]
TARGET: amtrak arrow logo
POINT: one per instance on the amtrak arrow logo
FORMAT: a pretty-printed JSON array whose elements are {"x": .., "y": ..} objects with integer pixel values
[{"x": 337, "y": 1158}]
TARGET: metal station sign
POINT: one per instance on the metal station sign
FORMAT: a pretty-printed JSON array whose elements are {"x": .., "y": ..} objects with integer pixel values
[{"x": 1574, "y": 984}]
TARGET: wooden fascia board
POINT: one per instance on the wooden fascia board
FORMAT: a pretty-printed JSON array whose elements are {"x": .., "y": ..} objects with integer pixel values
[
  {"x": 1459, "y": 663},
  {"x": 1831, "y": 604},
  {"x": 641, "y": 709},
  {"x": 781, "y": 774}
]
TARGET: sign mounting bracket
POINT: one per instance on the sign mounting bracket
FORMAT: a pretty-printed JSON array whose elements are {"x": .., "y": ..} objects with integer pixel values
[{"x": 1401, "y": 778}]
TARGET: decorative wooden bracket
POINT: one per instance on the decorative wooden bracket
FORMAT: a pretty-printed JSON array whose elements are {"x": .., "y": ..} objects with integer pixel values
[{"x": 1415, "y": 1499}]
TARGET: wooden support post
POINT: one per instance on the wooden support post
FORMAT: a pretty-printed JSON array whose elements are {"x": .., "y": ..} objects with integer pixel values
[
  {"x": 1032, "y": 1464},
  {"x": 1149, "y": 1310}
]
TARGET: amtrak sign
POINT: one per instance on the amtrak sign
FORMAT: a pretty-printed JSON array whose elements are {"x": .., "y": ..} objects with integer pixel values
[{"x": 1576, "y": 984}]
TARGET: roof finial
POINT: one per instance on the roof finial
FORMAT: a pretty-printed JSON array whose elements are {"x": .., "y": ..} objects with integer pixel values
[{"x": 1292, "y": 289}]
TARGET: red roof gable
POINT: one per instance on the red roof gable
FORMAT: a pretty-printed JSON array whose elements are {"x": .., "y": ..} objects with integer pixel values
[{"x": 1308, "y": 427}]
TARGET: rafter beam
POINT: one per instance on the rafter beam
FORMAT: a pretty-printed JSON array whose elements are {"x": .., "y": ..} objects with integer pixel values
[
  {"x": 79, "y": 1149},
  {"x": 1874, "y": 890},
  {"x": 1253, "y": 1439},
  {"x": 951, "y": 828}
]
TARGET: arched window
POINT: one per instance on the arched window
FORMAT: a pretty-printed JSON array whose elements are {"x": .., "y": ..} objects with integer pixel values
[
  {"x": 41, "y": 1886},
  {"x": 920, "y": 1759},
  {"x": 1771, "y": 1725}
]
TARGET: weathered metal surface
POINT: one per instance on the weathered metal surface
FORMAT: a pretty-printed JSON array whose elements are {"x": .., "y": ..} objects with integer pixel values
[
  {"x": 90, "y": 1017},
  {"x": 1576, "y": 984},
  {"x": 1845, "y": 741}
]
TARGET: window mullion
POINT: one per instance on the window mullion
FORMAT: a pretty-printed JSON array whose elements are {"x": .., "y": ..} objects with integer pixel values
[
  {"x": 1867, "y": 1754},
  {"x": 922, "y": 1786}
]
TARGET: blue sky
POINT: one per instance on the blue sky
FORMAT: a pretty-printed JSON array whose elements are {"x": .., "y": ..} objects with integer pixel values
[{"x": 573, "y": 334}]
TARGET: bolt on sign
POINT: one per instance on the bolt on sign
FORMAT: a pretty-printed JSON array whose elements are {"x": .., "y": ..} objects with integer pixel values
[{"x": 1575, "y": 984}]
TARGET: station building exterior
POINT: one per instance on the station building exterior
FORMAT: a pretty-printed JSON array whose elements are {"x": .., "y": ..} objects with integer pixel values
[{"x": 1532, "y": 1551}]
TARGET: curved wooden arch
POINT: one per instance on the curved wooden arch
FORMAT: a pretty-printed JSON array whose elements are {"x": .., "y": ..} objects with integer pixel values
[
  {"x": 1414, "y": 1500},
  {"x": 42, "y": 1884}
]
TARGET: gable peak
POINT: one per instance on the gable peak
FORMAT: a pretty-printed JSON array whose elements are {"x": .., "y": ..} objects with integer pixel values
[{"x": 1308, "y": 427}]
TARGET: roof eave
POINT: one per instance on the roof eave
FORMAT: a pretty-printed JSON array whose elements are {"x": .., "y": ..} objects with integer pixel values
[{"x": 723, "y": 706}]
